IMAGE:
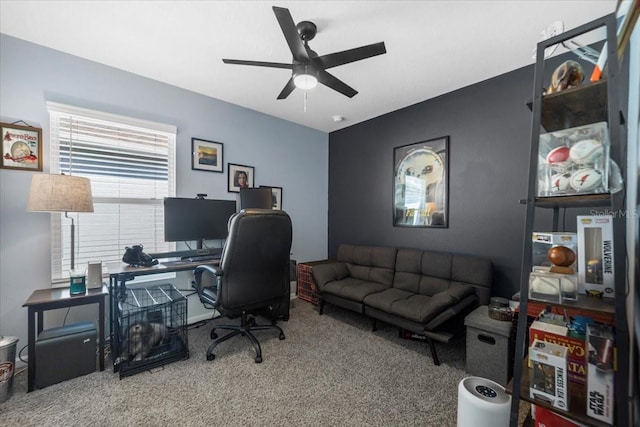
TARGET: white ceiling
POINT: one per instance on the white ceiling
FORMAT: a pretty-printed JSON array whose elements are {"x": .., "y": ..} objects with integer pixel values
[{"x": 433, "y": 47}]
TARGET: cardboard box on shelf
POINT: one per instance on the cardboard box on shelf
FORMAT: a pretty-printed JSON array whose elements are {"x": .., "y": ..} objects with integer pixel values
[
  {"x": 576, "y": 347},
  {"x": 600, "y": 370},
  {"x": 546, "y": 418},
  {"x": 548, "y": 374},
  {"x": 595, "y": 263}
]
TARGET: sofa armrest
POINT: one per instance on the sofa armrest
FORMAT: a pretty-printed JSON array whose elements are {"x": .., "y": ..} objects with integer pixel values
[
  {"x": 442, "y": 301},
  {"x": 329, "y": 272},
  {"x": 460, "y": 309}
]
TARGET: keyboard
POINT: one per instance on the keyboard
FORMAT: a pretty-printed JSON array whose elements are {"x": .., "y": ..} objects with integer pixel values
[{"x": 202, "y": 258}]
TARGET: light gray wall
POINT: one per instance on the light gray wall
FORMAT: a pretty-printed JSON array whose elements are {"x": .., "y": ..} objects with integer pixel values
[{"x": 280, "y": 151}]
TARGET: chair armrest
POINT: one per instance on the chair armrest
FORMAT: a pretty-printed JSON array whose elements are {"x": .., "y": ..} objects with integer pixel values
[
  {"x": 208, "y": 291},
  {"x": 329, "y": 272}
]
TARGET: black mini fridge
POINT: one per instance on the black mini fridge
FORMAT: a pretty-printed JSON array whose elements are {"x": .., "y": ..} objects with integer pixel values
[{"x": 65, "y": 352}]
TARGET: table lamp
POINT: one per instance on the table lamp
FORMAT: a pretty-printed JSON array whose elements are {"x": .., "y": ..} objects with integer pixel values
[{"x": 61, "y": 193}]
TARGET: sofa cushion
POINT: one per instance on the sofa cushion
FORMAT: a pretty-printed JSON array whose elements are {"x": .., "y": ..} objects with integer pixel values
[
  {"x": 385, "y": 299},
  {"x": 369, "y": 263},
  {"x": 352, "y": 289},
  {"x": 324, "y": 273},
  {"x": 417, "y": 307},
  {"x": 423, "y": 272}
]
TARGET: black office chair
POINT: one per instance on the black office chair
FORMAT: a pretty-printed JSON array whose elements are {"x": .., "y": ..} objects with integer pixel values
[{"x": 253, "y": 275}]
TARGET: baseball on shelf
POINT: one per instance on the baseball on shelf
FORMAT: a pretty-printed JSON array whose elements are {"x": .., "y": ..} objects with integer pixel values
[
  {"x": 586, "y": 151},
  {"x": 586, "y": 179}
]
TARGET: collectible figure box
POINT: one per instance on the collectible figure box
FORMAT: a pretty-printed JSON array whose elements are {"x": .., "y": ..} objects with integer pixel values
[
  {"x": 542, "y": 242},
  {"x": 576, "y": 347},
  {"x": 574, "y": 161},
  {"x": 600, "y": 373},
  {"x": 548, "y": 374},
  {"x": 595, "y": 264}
]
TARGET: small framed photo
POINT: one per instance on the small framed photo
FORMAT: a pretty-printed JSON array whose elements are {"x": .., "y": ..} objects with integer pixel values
[
  {"x": 240, "y": 176},
  {"x": 206, "y": 155},
  {"x": 276, "y": 197},
  {"x": 21, "y": 147}
]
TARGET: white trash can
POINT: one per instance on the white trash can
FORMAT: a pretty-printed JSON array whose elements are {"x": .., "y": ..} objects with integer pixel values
[
  {"x": 7, "y": 366},
  {"x": 482, "y": 403}
]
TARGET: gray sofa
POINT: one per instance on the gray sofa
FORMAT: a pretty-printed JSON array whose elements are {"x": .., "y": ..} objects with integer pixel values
[{"x": 425, "y": 292}]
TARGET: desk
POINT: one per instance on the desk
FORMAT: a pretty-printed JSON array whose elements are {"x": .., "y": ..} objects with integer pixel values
[{"x": 42, "y": 300}]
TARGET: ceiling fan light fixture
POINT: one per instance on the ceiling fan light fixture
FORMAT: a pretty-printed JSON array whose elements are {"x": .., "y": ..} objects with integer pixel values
[{"x": 305, "y": 81}]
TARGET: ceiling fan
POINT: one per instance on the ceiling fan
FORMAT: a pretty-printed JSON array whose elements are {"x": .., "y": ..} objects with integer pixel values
[{"x": 307, "y": 67}]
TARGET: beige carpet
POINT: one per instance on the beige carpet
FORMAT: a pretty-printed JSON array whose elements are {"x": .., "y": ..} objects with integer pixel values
[{"x": 330, "y": 371}]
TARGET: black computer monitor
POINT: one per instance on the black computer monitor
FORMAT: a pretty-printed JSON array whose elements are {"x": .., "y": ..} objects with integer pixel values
[
  {"x": 196, "y": 219},
  {"x": 255, "y": 198}
]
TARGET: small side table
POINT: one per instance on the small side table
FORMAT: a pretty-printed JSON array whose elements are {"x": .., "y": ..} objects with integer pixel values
[{"x": 42, "y": 300}]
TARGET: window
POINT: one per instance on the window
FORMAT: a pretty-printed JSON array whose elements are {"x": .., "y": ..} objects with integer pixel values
[{"x": 131, "y": 165}]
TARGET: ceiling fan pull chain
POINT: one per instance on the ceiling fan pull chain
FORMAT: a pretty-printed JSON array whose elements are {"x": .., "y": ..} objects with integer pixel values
[{"x": 305, "y": 101}]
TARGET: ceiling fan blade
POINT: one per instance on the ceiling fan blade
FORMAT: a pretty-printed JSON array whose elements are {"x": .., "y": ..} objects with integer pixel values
[
  {"x": 352, "y": 55},
  {"x": 336, "y": 84},
  {"x": 288, "y": 88},
  {"x": 257, "y": 63},
  {"x": 290, "y": 32}
]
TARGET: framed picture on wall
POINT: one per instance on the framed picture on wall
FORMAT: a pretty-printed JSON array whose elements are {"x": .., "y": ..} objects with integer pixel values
[
  {"x": 240, "y": 176},
  {"x": 206, "y": 155},
  {"x": 276, "y": 197},
  {"x": 421, "y": 184},
  {"x": 21, "y": 147}
]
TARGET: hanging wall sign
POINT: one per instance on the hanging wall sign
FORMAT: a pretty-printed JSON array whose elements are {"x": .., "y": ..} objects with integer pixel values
[{"x": 21, "y": 147}]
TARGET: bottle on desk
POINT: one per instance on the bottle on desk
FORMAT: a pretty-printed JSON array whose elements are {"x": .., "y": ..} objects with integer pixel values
[{"x": 77, "y": 282}]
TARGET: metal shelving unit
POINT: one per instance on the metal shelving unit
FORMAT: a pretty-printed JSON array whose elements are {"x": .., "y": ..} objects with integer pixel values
[{"x": 586, "y": 104}]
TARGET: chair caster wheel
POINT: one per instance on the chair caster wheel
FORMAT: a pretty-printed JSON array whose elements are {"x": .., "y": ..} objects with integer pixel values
[
  {"x": 281, "y": 337},
  {"x": 214, "y": 335},
  {"x": 258, "y": 359},
  {"x": 210, "y": 357}
]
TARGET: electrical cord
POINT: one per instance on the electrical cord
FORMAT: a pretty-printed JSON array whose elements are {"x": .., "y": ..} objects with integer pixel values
[
  {"x": 64, "y": 321},
  {"x": 20, "y": 353}
]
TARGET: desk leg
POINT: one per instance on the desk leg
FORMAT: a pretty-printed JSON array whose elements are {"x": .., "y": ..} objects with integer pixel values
[
  {"x": 102, "y": 332},
  {"x": 31, "y": 351}
]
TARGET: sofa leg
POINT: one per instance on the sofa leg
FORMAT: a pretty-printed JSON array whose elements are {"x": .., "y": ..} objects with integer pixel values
[
  {"x": 374, "y": 325},
  {"x": 320, "y": 306},
  {"x": 434, "y": 355}
]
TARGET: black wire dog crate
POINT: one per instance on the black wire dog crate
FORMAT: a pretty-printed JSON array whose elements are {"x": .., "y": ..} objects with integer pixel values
[{"x": 150, "y": 329}]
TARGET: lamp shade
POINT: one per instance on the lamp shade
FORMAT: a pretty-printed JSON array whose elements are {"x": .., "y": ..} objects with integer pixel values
[{"x": 60, "y": 193}]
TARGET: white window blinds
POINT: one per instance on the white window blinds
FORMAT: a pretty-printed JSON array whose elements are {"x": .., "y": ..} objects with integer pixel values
[{"x": 131, "y": 165}]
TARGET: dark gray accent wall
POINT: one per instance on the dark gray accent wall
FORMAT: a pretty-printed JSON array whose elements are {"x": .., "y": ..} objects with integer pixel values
[{"x": 489, "y": 126}]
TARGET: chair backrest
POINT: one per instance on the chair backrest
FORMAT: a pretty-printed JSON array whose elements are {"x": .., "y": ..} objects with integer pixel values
[{"x": 255, "y": 260}]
